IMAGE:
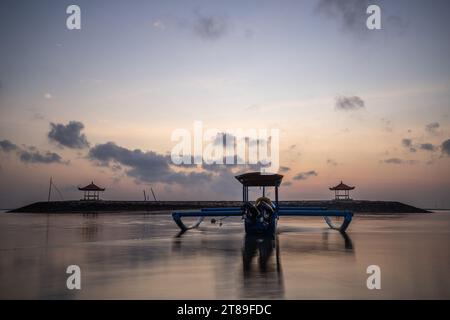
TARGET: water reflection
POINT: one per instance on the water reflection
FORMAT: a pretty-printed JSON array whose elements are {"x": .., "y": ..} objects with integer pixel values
[
  {"x": 137, "y": 256},
  {"x": 250, "y": 267},
  {"x": 90, "y": 227},
  {"x": 266, "y": 277},
  {"x": 262, "y": 273},
  {"x": 348, "y": 243}
]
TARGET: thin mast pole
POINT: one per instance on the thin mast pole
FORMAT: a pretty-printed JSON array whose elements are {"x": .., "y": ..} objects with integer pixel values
[
  {"x": 151, "y": 189},
  {"x": 49, "y": 190}
]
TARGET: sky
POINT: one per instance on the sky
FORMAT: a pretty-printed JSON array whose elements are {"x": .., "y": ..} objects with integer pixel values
[{"x": 368, "y": 107}]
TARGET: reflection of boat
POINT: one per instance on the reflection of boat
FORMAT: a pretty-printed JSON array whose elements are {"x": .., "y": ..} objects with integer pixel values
[
  {"x": 251, "y": 267},
  {"x": 267, "y": 278},
  {"x": 261, "y": 263},
  {"x": 261, "y": 218},
  {"x": 253, "y": 245}
]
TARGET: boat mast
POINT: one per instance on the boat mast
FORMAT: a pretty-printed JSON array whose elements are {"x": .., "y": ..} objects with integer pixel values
[
  {"x": 49, "y": 190},
  {"x": 151, "y": 189}
]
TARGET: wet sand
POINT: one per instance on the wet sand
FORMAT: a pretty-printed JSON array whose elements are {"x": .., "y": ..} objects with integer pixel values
[{"x": 139, "y": 256}]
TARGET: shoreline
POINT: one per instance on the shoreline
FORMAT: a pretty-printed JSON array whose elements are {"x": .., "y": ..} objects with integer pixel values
[{"x": 107, "y": 206}]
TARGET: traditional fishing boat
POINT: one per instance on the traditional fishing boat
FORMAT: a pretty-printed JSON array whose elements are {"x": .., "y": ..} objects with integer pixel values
[{"x": 261, "y": 216}]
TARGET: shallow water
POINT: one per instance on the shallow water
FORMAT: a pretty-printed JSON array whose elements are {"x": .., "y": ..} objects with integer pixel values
[{"x": 139, "y": 256}]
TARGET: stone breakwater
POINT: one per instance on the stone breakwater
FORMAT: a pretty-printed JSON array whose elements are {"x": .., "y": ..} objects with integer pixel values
[{"x": 357, "y": 206}]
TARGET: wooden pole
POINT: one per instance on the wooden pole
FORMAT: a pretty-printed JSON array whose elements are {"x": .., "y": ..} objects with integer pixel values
[
  {"x": 151, "y": 189},
  {"x": 49, "y": 190},
  {"x": 276, "y": 197}
]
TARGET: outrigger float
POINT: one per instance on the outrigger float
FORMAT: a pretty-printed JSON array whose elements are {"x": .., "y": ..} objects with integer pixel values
[{"x": 261, "y": 217}]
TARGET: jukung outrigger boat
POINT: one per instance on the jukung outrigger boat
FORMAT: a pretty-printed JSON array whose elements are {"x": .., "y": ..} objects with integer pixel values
[{"x": 261, "y": 217}]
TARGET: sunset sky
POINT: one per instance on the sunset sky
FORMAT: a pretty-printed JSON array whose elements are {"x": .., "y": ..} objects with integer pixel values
[{"x": 369, "y": 107}]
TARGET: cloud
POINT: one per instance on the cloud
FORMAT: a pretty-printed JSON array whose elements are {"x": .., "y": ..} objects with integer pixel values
[
  {"x": 428, "y": 147},
  {"x": 399, "y": 161},
  {"x": 7, "y": 146},
  {"x": 432, "y": 128},
  {"x": 352, "y": 16},
  {"x": 393, "y": 161},
  {"x": 287, "y": 183},
  {"x": 350, "y": 13},
  {"x": 332, "y": 162},
  {"x": 407, "y": 142},
  {"x": 31, "y": 154},
  {"x": 305, "y": 175},
  {"x": 284, "y": 169},
  {"x": 48, "y": 96},
  {"x": 34, "y": 156},
  {"x": 349, "y": 103},
  {"x": 150, "y": 167},
  {"x": 445, "y": 147},
  {"x": 144, "y": 166},
  {"x": 234, "y": 168},
  {"x": 68, "y": 135},
  {"x": 222, "y": 138},
  {"x": 210, "y": 27}
]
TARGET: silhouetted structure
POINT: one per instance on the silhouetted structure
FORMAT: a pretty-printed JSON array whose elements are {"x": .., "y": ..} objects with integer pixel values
[
  {"x": 260, "y": 217},
  {"x": 342, "y": 191},
  {"x": 91, "y": 191}
]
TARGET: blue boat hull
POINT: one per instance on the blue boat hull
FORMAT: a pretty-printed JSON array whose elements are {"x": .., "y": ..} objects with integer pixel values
[{"x": 259, "y": 228}]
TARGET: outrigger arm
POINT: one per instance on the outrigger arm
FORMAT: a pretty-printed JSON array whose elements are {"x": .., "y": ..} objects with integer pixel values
[
  {"x": 204, "y": 212},
  {"x": 282, "y": 211}
]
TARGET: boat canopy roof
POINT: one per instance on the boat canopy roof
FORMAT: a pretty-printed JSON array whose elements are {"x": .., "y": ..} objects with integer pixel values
[{"x": 257, "y": 179}]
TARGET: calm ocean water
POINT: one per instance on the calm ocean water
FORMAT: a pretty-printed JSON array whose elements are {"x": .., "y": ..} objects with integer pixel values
[{"x": 140, "y": 256}]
